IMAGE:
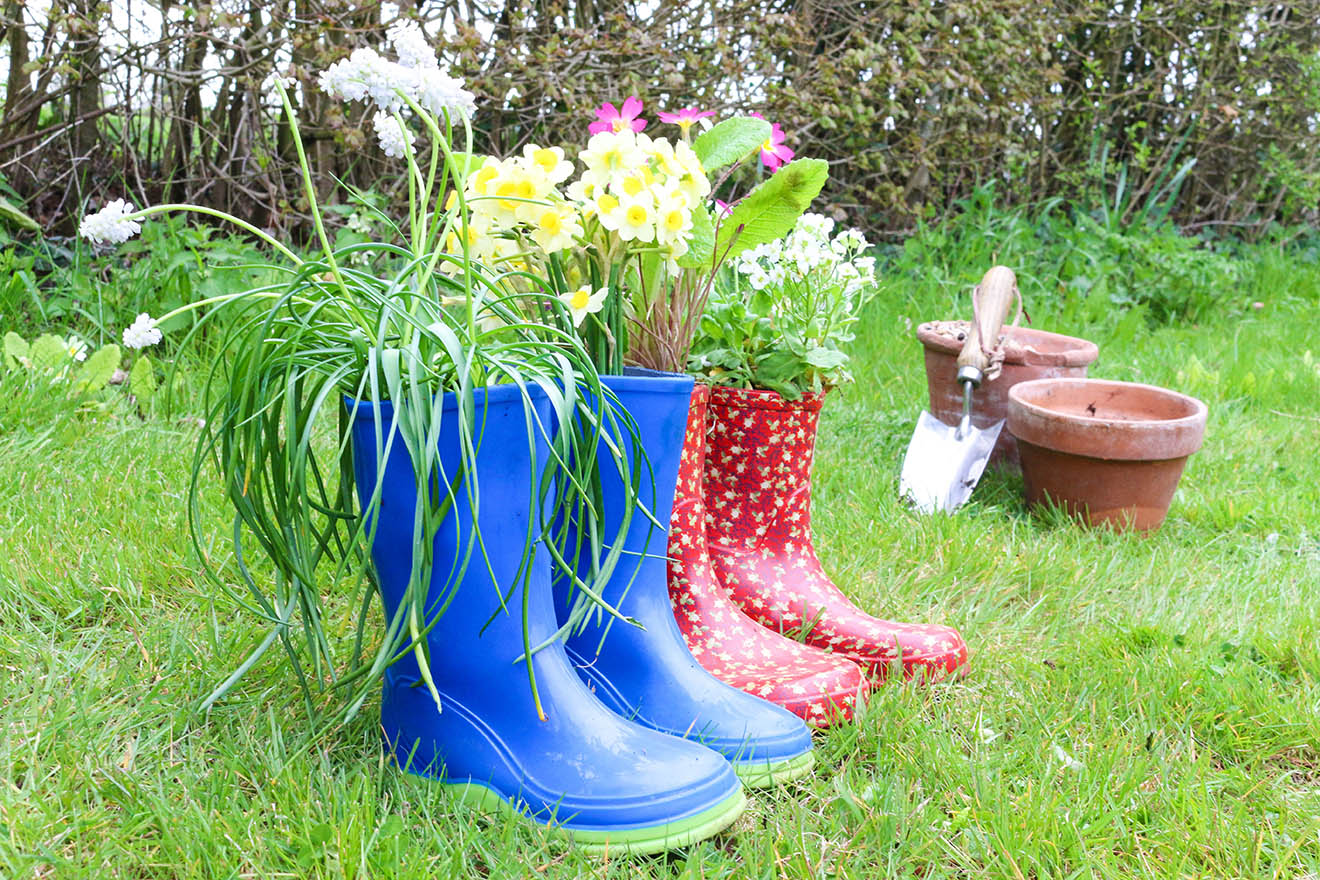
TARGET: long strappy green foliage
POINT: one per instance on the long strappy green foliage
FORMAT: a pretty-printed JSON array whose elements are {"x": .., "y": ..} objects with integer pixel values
[{"x": 411, "y": 323}]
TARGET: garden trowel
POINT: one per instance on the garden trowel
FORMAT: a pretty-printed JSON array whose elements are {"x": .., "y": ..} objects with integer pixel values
[{"x": 944, "y": 462}]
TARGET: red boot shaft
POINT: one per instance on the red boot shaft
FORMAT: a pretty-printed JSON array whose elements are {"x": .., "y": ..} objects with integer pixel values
[
  {"x": 758, "y": 525},
  {"x": 816, "y": 686}
]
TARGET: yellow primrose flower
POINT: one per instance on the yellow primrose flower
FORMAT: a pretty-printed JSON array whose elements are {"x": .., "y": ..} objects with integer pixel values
[
  {"x": 673, "y": 219},
  {"x": 551, "y": 162},
  {"x": 631, "y": 185},
  {"x": 480, "y": 241},
  {"x": 583, "y": 302},
  {"x": 692, "y": 177},
  {"x": 637, "y": 217},
  {"x": 607, "y": 208},
  {"x": 555, "y": 227},
  {"x": 610, "y": 152},
  {"x": 480, "y": 182}
]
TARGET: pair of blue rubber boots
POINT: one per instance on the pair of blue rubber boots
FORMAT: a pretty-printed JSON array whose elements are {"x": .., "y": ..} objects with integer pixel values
[{"x": 627, "y": 742}]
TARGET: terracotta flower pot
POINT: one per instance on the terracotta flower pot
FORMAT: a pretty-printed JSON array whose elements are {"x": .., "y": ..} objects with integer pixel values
[
  {"x": 1028, "y": 354},
  {"x": 1111, "y": 452}
]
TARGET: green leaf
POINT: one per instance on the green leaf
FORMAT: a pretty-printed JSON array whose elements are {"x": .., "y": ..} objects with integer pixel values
[
  {"x": 770, "y": 210},
  {"x": 15, "y": 347},
  {"x": 468, "y": 163},
  {"x": 652, "y": 270},
  {"x": 48, "y": 353},
  {"x": 142, "y": 381},
  {"x": 826, "y": 358},
  {"x": 701, "y": 244},
  {"x": 96, "y": 372},
  {"x": 13, "y": 215},
  {"x": 730, "y": 140}
]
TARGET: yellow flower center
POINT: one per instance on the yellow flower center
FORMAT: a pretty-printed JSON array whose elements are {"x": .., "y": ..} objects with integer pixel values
[
  {"x": 526, "y": 190},
  {"x": 636, "y": 215},
  {"x": 674, "y": 220},
  {"x": 551, "y": 222},
  {"x": 545, "y": 158},
  {"x": 620, "y": 124},
  {"x": 768, "y": 146},
  {"x": 607, "y": 203},
  {"x": 508, "y": 188},
  {"x": 581, "y": 297},
  {"x": 632, "y": 185},
  {"x": 484, "y": 176}
]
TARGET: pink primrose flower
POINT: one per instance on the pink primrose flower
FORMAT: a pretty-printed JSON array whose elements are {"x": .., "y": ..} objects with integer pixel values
[
  {"x": 610, "y": 119},
  {"x": 686, "y": 118},
  {"x": 773, "y": 152}
]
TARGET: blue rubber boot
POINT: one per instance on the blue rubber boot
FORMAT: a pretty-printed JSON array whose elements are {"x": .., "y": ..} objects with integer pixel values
[
  {"x": 648, "y": 674},
  {"x": 583, "y": 769}
]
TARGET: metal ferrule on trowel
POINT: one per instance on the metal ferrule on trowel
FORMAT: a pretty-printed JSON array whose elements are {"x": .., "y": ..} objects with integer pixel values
[
  {"x": 944, "y": 463},
  {"x": 970, "y": 378}
]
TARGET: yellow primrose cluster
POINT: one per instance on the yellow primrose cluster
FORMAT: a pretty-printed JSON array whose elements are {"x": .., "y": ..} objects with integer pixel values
[
  {"x": 519, "y": 194},
  {"x": 642, "y": 189}
]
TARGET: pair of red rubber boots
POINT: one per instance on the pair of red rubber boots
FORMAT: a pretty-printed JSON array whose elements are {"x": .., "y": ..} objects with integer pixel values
[{"x": 748, "y": 591}]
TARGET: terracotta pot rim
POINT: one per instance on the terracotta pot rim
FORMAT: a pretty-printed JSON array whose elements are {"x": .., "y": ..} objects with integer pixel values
[
  {"x": 1150, "y": 439},
  {"x": 1078, "y": 353},
  {"x": 759, "y": 398}
]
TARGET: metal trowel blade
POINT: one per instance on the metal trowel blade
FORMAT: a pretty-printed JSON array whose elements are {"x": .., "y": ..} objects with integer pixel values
[{"x": 940, "y": 470}]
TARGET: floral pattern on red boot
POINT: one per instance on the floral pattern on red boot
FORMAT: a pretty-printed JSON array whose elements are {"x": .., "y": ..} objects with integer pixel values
[
  {"x": 758, "y": 529},
  {"x": 819, "y": 687}
]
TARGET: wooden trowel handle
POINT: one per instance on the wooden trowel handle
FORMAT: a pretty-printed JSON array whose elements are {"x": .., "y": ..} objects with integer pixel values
[{"x": 991, "y": 301}]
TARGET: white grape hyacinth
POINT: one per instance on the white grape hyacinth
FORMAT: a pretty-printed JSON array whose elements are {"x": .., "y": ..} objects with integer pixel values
[
  {"x": 109, "y": 225},
  {"x": 367, "y": 76},
  {"x": 410, "y": 45},
  {"x": 142, "y": 332},
  {"x": 396, "y": 141}
]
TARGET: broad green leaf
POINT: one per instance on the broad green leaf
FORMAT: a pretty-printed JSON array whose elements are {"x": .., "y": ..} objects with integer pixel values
[
  {"x": 96, "y": 372},
  {"x": 47, "y": 352},
  {"x": 730, "y": 140},
  {"x": 826, "y": 358},
  {"x": 770, "y": 210},
  {"x": 15, "y": 347},
  {"x": 701, "y": 243},
  {"x": 142, "y": 381},
  {"x": 12, "y": 214}
]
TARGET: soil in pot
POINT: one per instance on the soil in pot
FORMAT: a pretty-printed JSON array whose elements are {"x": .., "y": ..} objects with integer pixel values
[
  {"x": 1028, "y": 354},
  {"x": 1110, "y": 452}
]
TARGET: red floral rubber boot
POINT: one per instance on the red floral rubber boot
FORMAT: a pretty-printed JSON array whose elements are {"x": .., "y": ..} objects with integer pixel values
[
  {"x": 758, "y": 528},
  {"x": 819, "y": 687}
]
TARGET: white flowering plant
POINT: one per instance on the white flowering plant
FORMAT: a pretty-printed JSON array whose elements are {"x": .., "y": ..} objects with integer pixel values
[
  {"x": 429, "y": 309},
  {"x": 784, "y": 311}
]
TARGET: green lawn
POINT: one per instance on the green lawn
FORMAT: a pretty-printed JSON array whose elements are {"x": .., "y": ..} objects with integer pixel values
[{"x": 1137, "y": 706}]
